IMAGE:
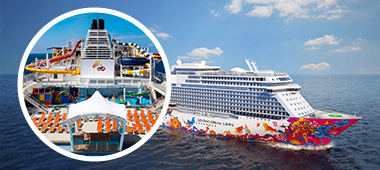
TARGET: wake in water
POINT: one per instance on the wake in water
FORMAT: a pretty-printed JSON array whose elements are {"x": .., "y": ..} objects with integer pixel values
[{"x": 299, "y": 147}]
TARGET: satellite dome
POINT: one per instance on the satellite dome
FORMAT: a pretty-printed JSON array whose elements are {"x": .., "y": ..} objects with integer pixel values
[
  {"x": 178, "y": 62},
  {"x": 238, "y": 69}
]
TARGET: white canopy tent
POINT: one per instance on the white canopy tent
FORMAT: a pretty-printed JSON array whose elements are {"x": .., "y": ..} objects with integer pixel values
[{"x": 96, "y": 104}]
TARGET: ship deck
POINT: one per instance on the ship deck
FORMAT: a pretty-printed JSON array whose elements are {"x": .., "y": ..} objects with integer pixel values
[
  {"x": 328, "y": 114},
  {"x": 49, "y": 124}
]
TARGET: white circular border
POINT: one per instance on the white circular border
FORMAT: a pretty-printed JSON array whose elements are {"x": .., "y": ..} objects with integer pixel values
[{"x": 20, "y": 84}]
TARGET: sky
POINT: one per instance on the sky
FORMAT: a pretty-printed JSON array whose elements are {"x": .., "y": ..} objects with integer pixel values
[
  {"x": 293, "y": 36},
  {"x": 74, "y": 28}
]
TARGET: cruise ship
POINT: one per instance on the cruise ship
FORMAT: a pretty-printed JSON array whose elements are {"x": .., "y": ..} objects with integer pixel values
[
  {"x": 95, "y": 95},
  {"x": 248, "y": 105}
]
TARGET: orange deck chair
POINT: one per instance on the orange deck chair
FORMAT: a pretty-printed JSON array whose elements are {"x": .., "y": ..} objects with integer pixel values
[
  {"x": 52, "y": 129},
  {"x": 147, "y": 125},
  {"x": 49, "y": 118},
  {"x": 153, "y": 122},
  {"x": 100, "y": 124},
  {"x": 42, "y": 118},
  {"x": 142, "y": 115},
  {"x": 60, "y": 128},
  {"x": 44, "y": 126},
  {"x": 108, "y": 124},
  {"x": 56, "y": 120},
  {"x": 134, "y": 128},
  {"x": 141, "y": 130},
  {"x": 114, "y": 124},
  {"x": 150, "y": 117},
  {"x": 157, "y": 117},
  {"x": 79, "y": 123},
  {"x": 64, "y": 116},
  {"x": 136, "y": 115}
]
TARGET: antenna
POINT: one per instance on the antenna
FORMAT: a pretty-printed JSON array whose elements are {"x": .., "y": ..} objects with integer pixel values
[
  {"x": 249, "y": 65},
  {"x": 254, "y": 65}
]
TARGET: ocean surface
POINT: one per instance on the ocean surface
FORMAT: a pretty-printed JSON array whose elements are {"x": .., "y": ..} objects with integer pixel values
[{"x": 356, "y": 148}]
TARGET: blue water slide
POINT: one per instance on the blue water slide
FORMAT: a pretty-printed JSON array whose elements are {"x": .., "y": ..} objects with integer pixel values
[{"x": 132, "y": 61}]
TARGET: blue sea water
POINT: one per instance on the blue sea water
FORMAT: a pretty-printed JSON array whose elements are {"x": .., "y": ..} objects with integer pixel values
[{"x": 355, "y": 148}]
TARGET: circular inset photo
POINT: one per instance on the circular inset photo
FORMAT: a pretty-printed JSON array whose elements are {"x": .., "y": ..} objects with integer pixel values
[{"x": 92, "y": 84}]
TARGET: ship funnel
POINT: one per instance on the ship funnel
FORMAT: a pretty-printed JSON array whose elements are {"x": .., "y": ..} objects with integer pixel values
[
  {"x": 101, "y": 24},
  {"x": 94, "y": 24}
]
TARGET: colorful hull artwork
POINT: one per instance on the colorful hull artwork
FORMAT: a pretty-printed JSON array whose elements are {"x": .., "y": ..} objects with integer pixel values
[{"x": 295, "y": 131}]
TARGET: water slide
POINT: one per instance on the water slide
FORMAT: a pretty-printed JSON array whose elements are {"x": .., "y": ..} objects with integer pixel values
[
  {"x": 32, "y": 67},
  {"x": 132, "y": 61},
  {"x": 140, "y": 51}
]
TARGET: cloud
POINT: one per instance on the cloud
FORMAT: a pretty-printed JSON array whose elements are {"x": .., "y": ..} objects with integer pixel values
[
  {"x": 234, "y": 7},
  {"x": 157, "y": 26},
  {"x": 156, "y": 30},
  {"x": 214, "y": 13},
  {"x": 261, "y": 11},
  {"x": 201, "y": 54},
  {"x": 163, "y": 35},
  {"x": 327, "y": 39},
  {"x": 152, "y": 30},
  {"x": 205, "y": 52},
  {"x": 361, "y": 69},
  {"x": 360, "y": 39},
  {"x": 290, "y": 9},
  {"x": 313, "y": 48},
  {"x": 346, "y": 49},
  {"x": 183, "y": 57},
  {"x": 336, "y": 13},
  {"x": 317, "y": 67}
]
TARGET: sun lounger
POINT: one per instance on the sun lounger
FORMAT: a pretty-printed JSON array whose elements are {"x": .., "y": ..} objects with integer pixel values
[
  {"x": 136, "y": 115},
  {"x": 147, "y": 125},
  {"x": 108, "y": 124},
  {"x": 64, "y": 116},
  {"x": 44, "y": 126},
  {"x": 142, "y": 115},
  {"x": 129, "y": 130},
  {"x": 157, "y": 117},
  {"x": 34, "y": 120},
  {"x": 56, "y": 120},
  {"x": 60, "y": 128},
  {"x": 114, "y": 125},
  {"x": 141, "y": 130},
  {"x": 42, "y": 118},
  {"x": 100, "y": 125},
  {"x": 134, "y": 128},
  {"x": 79, "y": 123},
  {"x": 49, "y": 118},
  {"x": 150, "y": 117},
  {"x": 51, "y": 130}
]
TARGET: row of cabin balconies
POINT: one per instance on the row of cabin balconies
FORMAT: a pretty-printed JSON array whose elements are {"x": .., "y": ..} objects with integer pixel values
[
  {"x": 230, "y": 104},
  {"x": 233, "y": 109},
  {"x": 249, "y": 101}
]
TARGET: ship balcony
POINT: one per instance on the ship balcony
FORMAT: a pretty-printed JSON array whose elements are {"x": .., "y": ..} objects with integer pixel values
[{"x": 289, "y": 88}]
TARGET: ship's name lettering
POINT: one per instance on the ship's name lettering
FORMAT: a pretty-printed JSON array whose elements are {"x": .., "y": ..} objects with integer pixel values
[{"x": 215, "y": 122}]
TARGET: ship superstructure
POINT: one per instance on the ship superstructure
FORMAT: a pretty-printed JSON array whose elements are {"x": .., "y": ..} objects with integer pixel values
[{"x": 248, "y": 104}]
